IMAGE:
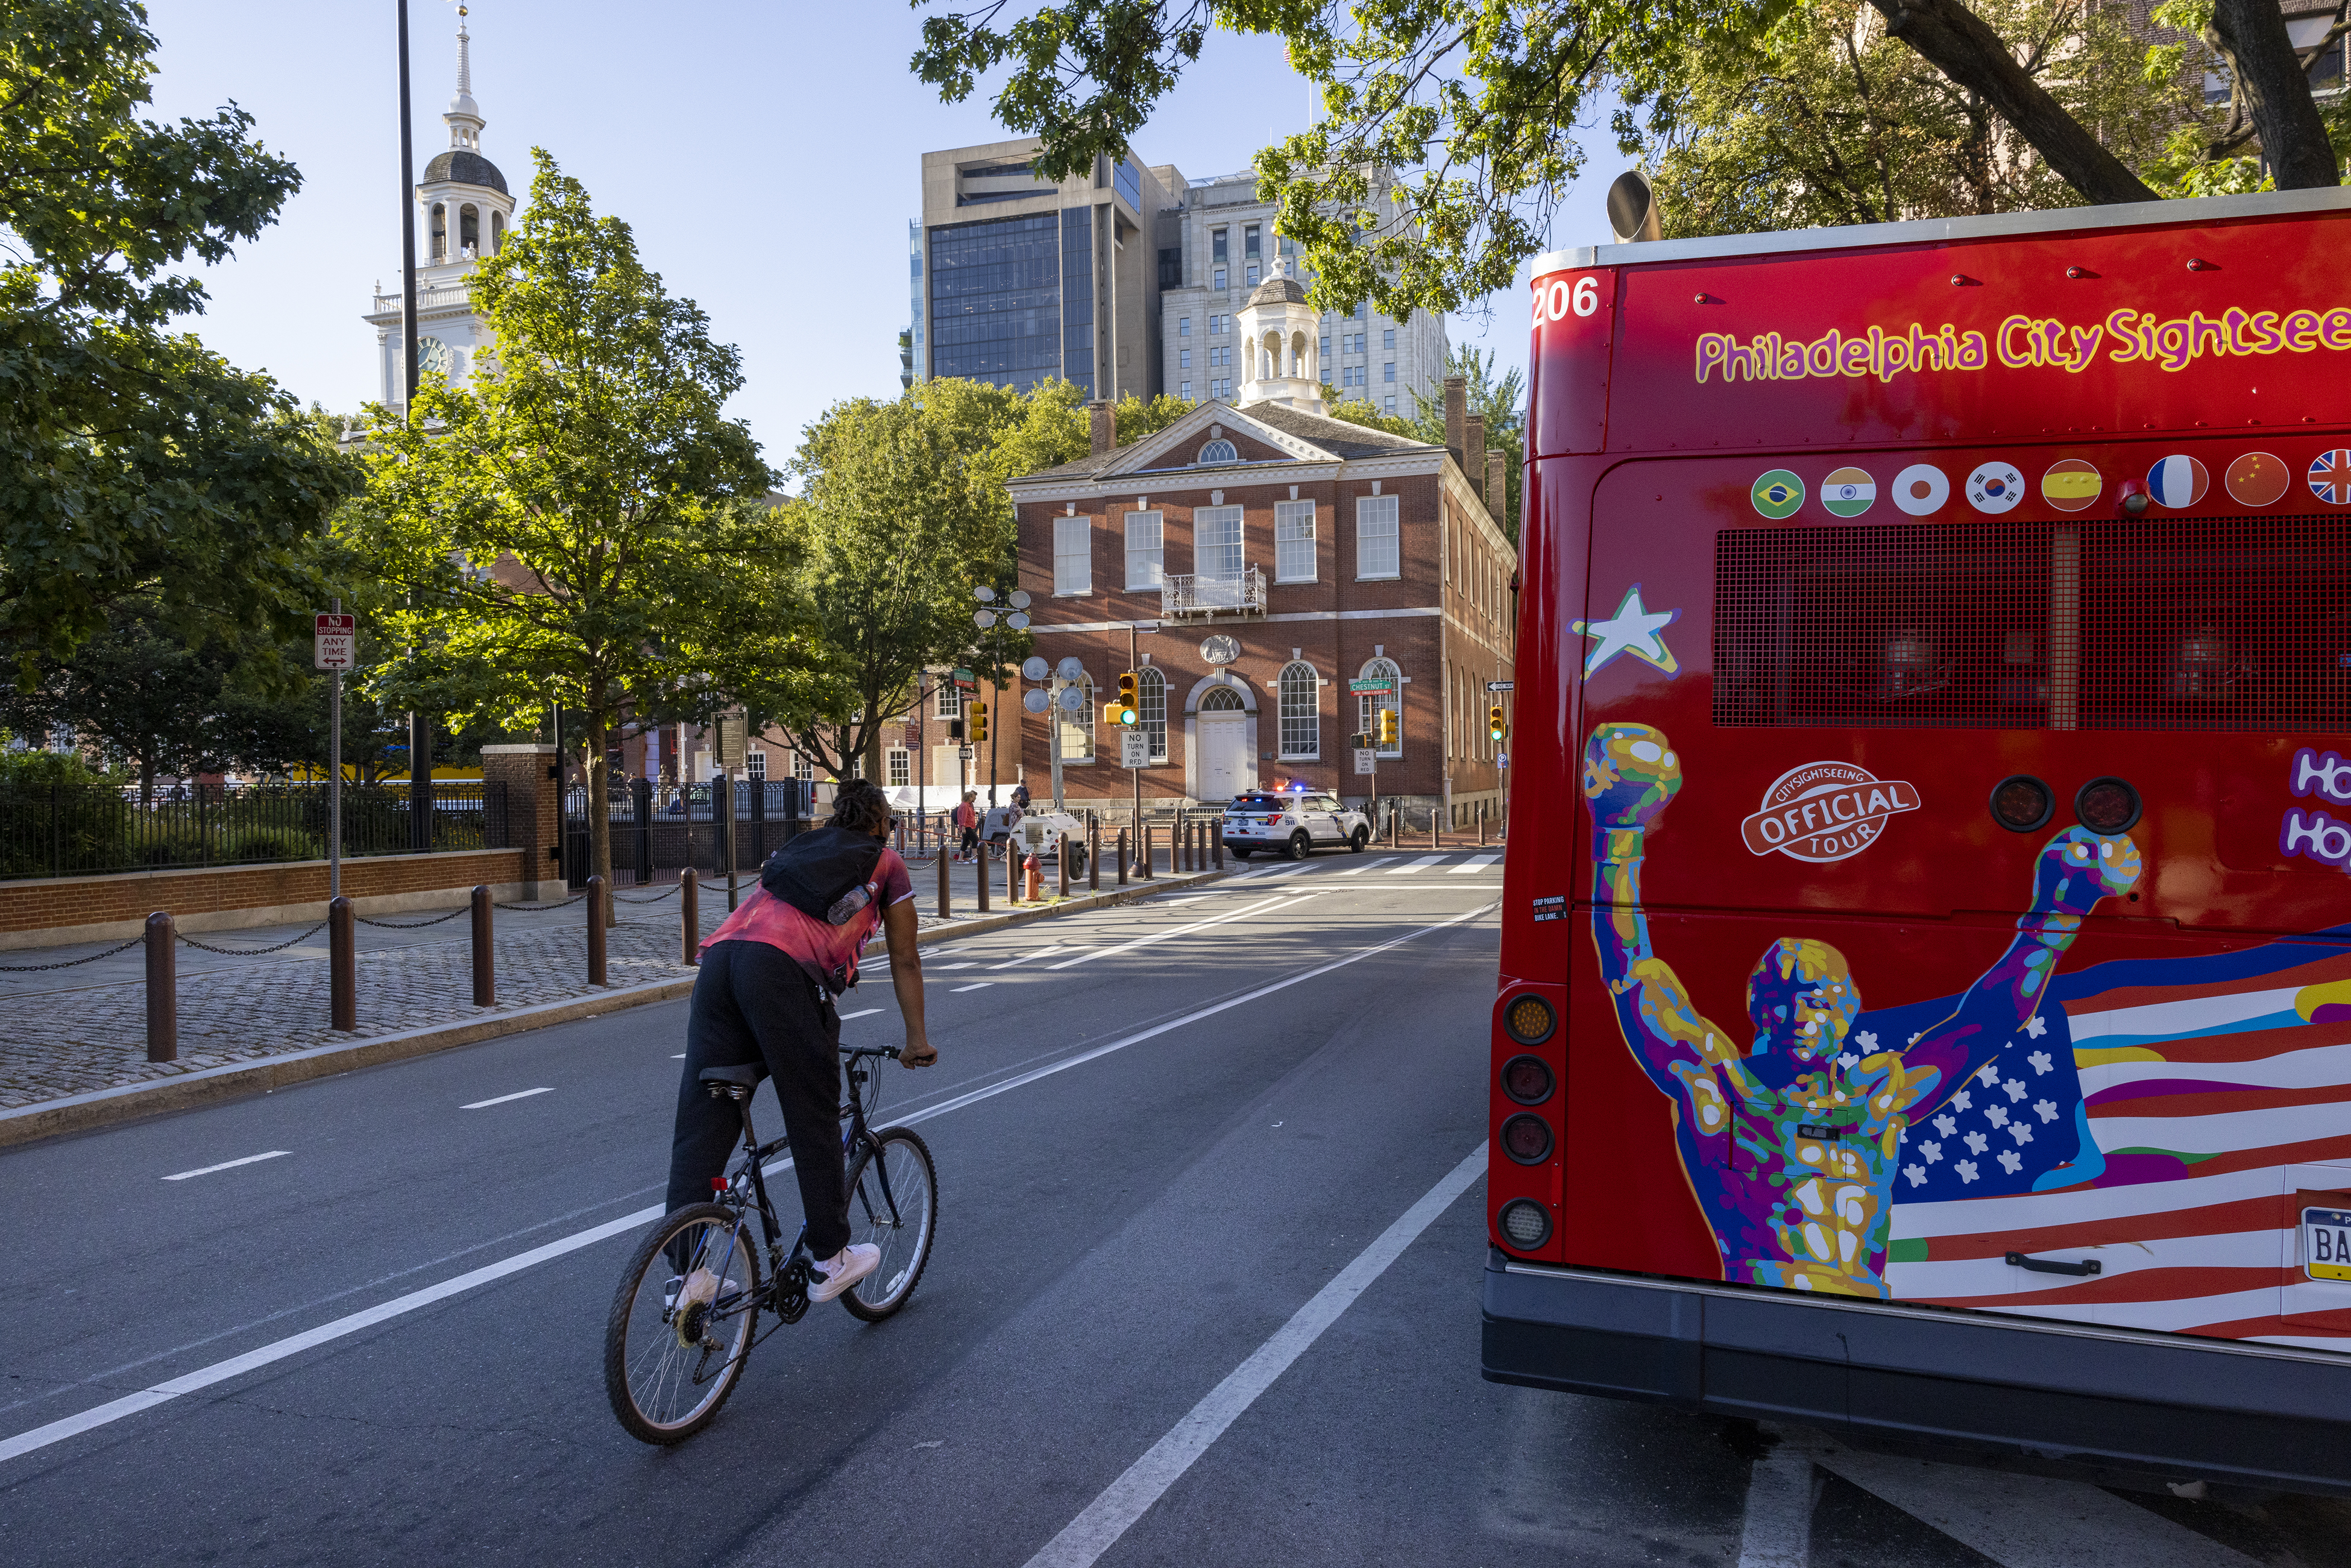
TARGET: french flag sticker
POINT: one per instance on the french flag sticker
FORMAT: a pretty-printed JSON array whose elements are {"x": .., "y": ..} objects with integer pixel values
[{"x": 2177, "y": 481}]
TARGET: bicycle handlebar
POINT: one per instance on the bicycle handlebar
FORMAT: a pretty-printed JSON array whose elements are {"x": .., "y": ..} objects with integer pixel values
[{"x": 854, "y": 1053}]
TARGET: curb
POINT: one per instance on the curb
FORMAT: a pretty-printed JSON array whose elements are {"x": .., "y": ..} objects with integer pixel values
[{"x": 105, "y": 1107}]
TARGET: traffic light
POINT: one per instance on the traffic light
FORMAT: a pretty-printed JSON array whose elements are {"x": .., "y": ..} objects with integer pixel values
[
  {"x": 978, "y": 721},
  {"x": 1494, "y": 725},
  {"x": 1126, "y": 709},
  {"x": 1387, "y": 728}
]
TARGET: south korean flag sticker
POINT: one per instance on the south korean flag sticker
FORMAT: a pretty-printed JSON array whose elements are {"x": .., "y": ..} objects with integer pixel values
[{"x": 1995, "y": 487}]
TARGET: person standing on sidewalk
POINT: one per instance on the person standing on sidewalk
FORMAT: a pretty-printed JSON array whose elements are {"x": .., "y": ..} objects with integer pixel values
[
  {"x": 966, "y": 817},
  {"x": 765, "y": 994}
]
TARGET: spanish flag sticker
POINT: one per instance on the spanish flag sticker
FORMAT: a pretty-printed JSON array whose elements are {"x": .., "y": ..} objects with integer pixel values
[
  {"x": 2256, "y": 479},
  {"x": 1848, "y": 492},
  {"x": 2071, "y": 484}
]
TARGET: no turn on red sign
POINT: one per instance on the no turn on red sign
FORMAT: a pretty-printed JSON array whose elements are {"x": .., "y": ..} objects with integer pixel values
[{"x": 334, "y": 641}]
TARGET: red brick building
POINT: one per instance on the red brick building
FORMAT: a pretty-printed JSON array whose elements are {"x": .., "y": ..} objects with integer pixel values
[{"x": 1253, "y": 560}]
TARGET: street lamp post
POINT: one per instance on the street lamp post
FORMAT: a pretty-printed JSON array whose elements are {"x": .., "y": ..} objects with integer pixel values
[{"x": 420, "y": 726}]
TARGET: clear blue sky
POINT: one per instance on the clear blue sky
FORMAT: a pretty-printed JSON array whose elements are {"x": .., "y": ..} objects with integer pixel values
[{"x": 767, "y": 156}]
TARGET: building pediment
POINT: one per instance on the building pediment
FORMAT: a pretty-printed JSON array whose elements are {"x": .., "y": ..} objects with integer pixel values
[{"x": 1179, "y": 445}]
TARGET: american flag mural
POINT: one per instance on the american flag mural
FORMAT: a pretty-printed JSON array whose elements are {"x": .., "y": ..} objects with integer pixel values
[{"x": 2175, "y": 1109}]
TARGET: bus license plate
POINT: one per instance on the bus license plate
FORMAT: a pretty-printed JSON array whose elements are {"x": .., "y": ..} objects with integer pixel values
[{"x": 2326, "y": 1243}]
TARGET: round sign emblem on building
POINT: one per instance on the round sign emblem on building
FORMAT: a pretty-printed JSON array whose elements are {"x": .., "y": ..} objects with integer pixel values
[
  {"x": 1220, "y": 649},
  {"x": 1825, "y": 812}
]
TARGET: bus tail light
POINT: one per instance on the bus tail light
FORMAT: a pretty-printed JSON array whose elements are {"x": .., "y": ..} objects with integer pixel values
[
  {"x": 2106, "y": 806},
  {"x": 1526, "y": 1222},
  {"x": 1525, "y": 1138},
  {"x": 2021, "y": 803},
  {"x": 1530, "y": 1020},
  {"x": 1527, "y": 1080}
]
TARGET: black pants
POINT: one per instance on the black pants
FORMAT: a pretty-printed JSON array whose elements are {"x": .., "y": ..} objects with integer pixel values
[
  {"x": 753, "y": 1003},
  {"x": 970, "y": 842}
]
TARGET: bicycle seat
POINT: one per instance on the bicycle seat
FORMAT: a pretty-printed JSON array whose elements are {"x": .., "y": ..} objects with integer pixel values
[{"x": 743, "y": 1075}]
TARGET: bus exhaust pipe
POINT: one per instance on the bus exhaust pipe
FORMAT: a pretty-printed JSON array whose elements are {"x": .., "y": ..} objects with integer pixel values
[{"x": 1633, "y": 208}]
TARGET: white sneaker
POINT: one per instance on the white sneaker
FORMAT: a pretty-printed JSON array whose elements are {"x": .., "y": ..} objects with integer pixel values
[{"x": 837, "y": 1274}]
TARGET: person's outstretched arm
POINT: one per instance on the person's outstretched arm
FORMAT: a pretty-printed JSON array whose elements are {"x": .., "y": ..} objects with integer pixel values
[{"x": 906, "y": 979}]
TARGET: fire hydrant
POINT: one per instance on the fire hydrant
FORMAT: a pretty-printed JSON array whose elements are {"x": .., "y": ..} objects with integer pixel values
[{"x": 1032, "y": 887}]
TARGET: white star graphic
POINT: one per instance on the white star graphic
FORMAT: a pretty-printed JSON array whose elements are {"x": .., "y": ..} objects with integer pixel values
[
  {"x": 1918, "y": 1175},
  {"x": 1976, "y": 1142},
  {"x": 1996, "y": 1115},
  {"x": 1948, "y": 1126},
  {"x": 2010, "y": 1160},
  {"x": 1930, "y": 1152},
  {"x": 1967, "y": 1168},
  {"x": 2040, "y": 1060},
  {"x": 2015, "y": 1088},
  {"x": 2020, "y": 1131},
  {"x": 2034, "y": 1026},
  {"x": 1987, "y": 1074},
  {"x": 1848, "y": 1059},
  {"x": 2046, "y": 1109},
  {"x": 1866, "y": 1039},
  {"x": 1634, "y": 629},
  {"x": 1963, "y": 1100}
]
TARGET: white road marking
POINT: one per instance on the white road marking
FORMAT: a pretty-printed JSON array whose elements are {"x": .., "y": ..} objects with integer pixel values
[
  {"x": 679, "y": 1056},
  {"x": 219, "y": 1372},
  {"x": 1094, "y": 1531},
  {"x": 230, "y": 1164},
  {"x": 518, "y": 1095},
  {"x": 1030, "y": 957},
  {"x": 1360, "y": 870},
  {"x": 1422, "y": 860},
  {"x": 980, "y": 986},
  {"x": 862, "y": 1012},
  {"x": 1178, "y": 931},
  {"x": 1781, "y": 1491},
  {"x": 2029, "y": 1521},
  {"x": 943, "y": 968},
  {"x": 1475, "y": 863}
]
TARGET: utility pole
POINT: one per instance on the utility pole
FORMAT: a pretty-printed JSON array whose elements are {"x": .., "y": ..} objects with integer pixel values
[{"x": 420, "y": 726}]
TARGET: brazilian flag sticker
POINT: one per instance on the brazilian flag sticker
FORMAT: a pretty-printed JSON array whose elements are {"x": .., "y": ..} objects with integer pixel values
[{"x": 1778, "y": 494}]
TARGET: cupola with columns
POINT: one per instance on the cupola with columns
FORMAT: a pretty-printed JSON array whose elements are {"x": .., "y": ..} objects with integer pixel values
[{"x": 1281, "y": 345}]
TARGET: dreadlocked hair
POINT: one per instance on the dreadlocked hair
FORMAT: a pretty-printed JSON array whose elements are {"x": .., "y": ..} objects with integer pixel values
[{"x": 859, "y": 805}]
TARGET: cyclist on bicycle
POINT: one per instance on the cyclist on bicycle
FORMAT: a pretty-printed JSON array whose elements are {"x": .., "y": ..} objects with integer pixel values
[{"x": 765, "y": 992}]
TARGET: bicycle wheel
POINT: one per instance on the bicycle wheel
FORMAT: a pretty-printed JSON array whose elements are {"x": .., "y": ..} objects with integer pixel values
[
  {"x": 899, "y": 1214},
  {"x": 668, "y": 1372}
]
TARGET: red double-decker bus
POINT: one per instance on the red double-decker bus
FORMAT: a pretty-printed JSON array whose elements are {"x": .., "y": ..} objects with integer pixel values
[{"x": 1926, "y": 967}]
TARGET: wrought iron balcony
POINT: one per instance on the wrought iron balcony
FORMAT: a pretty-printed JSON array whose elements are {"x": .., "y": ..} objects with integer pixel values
[{"x": 1205, "y": 594}]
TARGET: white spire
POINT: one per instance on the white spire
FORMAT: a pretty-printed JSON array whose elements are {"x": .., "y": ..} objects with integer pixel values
[{"x": 464, "y": 116}]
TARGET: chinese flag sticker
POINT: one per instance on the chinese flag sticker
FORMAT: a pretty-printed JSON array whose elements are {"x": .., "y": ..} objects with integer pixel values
[{"x": 2256, "y": 479}]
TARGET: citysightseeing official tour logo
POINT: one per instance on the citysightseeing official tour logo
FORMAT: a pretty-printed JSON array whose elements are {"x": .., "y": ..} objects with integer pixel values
[{"x": 1825, "y": 812}]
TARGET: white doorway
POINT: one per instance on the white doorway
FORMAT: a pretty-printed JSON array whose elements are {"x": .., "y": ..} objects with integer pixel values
[{"x": 1224, "y": 730}]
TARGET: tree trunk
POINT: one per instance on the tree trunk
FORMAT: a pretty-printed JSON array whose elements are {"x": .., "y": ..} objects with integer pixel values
[
  {"x": 2251, "y": 36},
  {"x": 1957, "y": 42},
  {"x": 600, "y": 814}
]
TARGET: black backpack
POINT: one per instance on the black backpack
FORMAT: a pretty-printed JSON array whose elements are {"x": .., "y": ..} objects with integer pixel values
[{"x": 823, "y": 871}]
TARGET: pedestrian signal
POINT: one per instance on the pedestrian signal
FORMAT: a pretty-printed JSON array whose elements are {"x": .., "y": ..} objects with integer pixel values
[
  {"x": 978, "y": 720},
  {"x": 1494, "y": 726},
  {"x": 1387, "y": 727}
]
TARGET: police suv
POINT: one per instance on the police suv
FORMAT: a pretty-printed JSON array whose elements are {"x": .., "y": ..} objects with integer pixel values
[{"x": 1292, "y": 824}]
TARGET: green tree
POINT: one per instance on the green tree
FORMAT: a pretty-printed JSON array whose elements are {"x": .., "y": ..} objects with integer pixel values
[
  {"x": 1824, "y": 119},
  {"x": 1466, "y": 115},
  {"x": 553, "y": 530},
  {"x": 132, "y": 461},
  {"x": 1502, "y": 401}
]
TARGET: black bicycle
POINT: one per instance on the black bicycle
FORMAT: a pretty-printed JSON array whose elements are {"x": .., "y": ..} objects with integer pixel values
[{"x": 685, "y": 1318}]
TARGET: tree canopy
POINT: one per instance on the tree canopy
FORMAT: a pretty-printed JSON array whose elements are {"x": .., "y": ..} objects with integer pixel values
[{"x": 133, "y": 460}]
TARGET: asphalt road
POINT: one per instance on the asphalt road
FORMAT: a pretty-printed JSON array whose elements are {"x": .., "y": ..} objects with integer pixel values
[{"x": 1204, "y": 1291}]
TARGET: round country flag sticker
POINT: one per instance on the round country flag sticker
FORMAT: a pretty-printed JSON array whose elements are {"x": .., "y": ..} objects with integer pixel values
[
  {"x": 1921, "y": 488},
  {"x": 1778, "y": 494},
  {"x": 2071, "y": 484},
  {"x": 2177, "y": 481},
  {"x": 1848, "y": 492},
  {"x": 2256, "y": 479},
  {"x": 2330, "y": 477},
  {"x": 1994, "y": 488}
]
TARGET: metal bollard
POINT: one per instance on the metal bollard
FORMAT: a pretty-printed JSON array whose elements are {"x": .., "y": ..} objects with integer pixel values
[
  {"x": 596, "y": 930},
  {"x": 486, "y": 968},
  {"x": 162, "y": 990},
  {"x": 1093, "y": 857},
  {"x": 1217, "y": 837},
  {"x": 342, "y": 965},
  {"x": 1143, "y": 851},
  {"x": 1064, "y": 859},
  {"x": 1011, "y": 871},
  {"x": 943, "y": 880},
  {"x": 1122, "y": 857},
  {"x": 1481, "y": 824},
  {"x": 689, "y": 916},
  {"x": 1432, "y": 827}
]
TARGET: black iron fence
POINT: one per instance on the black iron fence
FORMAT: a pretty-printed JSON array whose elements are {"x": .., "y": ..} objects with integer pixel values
[
  {"x": 659, "y": 829},
  {"x": 67, "y": 830}
]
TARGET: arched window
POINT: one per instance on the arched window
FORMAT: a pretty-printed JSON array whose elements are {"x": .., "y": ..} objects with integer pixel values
[
  {"x": 1076, "y": 730},
  {"x": 1153, "y": 689},
  {"x": 440, "y": 251},
  {"x": 469, "y": 227},
  {"x": 1372, "y": 702},
  {"x": 1222, "y": 700},
  {"x": 497, "y": 231},
  {"x": 1302, "y": 711},
  {"x": 1219, "y": 451}
]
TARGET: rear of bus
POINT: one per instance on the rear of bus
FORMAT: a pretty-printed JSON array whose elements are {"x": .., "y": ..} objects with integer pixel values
[{"x": 1926, "y": 977}]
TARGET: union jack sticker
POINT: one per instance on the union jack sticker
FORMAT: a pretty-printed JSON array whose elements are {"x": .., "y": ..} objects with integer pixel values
[{"x": 2330, "y": 477}]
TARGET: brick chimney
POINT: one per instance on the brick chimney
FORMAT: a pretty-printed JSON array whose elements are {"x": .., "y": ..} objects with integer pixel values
[
  {"x": 1473, "y": 457},
  {"x": 1102, "y": 424},
  {"x": 1497, "y": 487},
  {"x": 1456, "y": 415}
]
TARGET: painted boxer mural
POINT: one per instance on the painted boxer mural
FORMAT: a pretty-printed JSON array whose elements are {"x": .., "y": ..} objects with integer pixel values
[{"x": 1793, "y": 1141}]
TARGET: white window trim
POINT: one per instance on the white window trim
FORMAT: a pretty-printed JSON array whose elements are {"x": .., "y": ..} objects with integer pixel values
[
  {"x": 1156, "y": 575},
  {"x": 1201, "y": 518},
  {"x": 1294, "y": 509},
  {"x": 1282, "y": 717},
  {"x": 1073, "y": 525},
  {"x": 1393, "y": 504}
]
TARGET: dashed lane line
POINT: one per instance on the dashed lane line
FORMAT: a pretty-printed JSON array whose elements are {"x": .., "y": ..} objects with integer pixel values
[
  {"x": 1178, "y": 931},
  {"x": 981, "y": 986},
  {"x": 58, "y": 1431},
  {"x": 231, "y": 1164},
  {"x": 517, "y": 1094},
  {"x": 1367, "y": 865}
]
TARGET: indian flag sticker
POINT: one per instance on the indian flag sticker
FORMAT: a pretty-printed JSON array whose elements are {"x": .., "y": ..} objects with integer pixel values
[
  {"x": 1848, "y": 492},
  {"x": 2177, "y": 481},
  {"x": 2256, "y": 479},
  {"x": 1921, "y": 489},
  {"x": 1778, "y": 494},
  {"x": 2071, "y": 484},
  {"x": 1994, "y": 488}
]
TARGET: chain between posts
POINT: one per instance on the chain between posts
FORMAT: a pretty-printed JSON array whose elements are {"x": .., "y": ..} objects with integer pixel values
[
  {"x": 411, "y": 925},
  {"x": 250, "y": 952},
  {"x": 70, "y": 963}
]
